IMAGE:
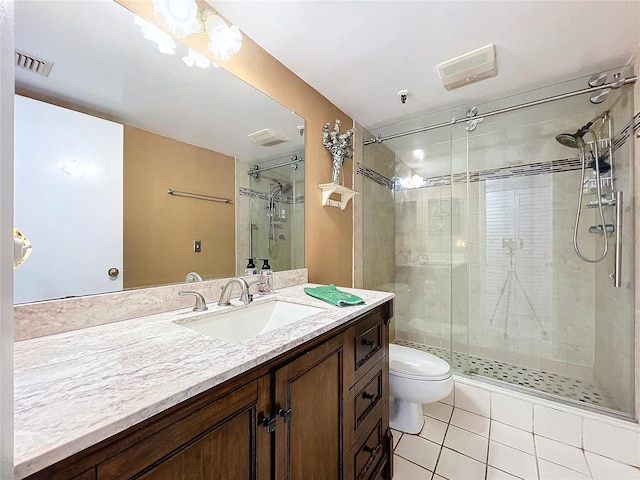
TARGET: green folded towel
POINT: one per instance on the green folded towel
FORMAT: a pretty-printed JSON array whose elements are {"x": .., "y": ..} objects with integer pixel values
[{"x": 330, "y": 294}]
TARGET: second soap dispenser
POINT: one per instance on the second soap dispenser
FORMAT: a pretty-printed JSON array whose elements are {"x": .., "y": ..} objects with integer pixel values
[{"x": 266, "y": 278}]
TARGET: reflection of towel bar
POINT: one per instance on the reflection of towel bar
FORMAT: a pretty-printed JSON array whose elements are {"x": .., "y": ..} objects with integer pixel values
[{"x": 200, "y": 196}]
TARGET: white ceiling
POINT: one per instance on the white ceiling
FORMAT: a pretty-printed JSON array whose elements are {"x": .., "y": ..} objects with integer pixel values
[
  {"x": 107, "y": 68},
  {"x": 359, "y": 54}
]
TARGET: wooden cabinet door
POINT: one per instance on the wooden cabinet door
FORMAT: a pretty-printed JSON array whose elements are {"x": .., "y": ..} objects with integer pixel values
[
  {"x": 223, "y": 453},
  {"x": 309, "y": 399},
  {"x": 221, "y": 441}
]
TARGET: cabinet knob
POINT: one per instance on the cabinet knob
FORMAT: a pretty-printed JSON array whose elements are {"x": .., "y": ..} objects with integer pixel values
[
  {"x": 113, "y": 272},
  {"x": 285, "y": 414},
  {"x": 369, "y": 396}
]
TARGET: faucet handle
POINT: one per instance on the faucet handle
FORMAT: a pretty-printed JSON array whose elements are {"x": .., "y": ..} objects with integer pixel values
[{"x": 200, "y": 305}]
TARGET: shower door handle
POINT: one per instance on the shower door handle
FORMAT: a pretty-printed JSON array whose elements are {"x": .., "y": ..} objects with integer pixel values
[{"x": 616, "y": 276}]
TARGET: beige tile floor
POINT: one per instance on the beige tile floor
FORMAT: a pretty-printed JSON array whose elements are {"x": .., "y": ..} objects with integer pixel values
[{"x": 455, "y": 444}]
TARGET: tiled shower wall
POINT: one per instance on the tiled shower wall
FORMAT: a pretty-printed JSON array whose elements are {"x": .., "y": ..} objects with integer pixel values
[
  {"x": 614, "y": 307},
  {"x": 378, "y": 218}
]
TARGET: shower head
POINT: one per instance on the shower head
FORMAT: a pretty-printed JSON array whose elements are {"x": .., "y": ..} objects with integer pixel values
[
  {"x": 286, "y": 189},
  {"x": 570, "y": 140},
  {"x": 574, "y": 140},
  {"x": 281, "y": 189}
]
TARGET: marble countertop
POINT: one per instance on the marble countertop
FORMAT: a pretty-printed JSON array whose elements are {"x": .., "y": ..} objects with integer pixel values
[{"x": 75, "y": 389}]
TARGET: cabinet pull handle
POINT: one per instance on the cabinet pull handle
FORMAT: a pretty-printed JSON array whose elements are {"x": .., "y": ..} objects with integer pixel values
[
  {"x": 285, "y": 414},
  {"x": 368, "y": 343},
  {"x": 369, "y": 396},
  {"x": 269, "y": 424},
  {"x": 374, "y": 452}
]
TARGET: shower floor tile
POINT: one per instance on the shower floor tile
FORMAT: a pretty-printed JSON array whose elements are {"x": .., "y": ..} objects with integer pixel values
[{"x": 539, "y": 380}]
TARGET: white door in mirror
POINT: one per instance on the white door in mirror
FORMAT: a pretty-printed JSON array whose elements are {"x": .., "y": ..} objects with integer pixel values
[{"x": 68, "y": 173}]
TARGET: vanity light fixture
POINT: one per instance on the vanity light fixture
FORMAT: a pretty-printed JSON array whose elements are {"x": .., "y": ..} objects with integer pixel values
[
  {"x": 195, "y": 59},
  {"x": 166, "y": 43},
  {"x": 179, "y": 16},
  {"x": 225, "y": 41},
  {"x": 183, "y": 18}
]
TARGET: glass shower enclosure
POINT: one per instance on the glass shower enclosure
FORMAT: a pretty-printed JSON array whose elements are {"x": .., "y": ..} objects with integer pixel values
[
  {"x": 270, "y": 213},
  {"x": 485, "y": 266}
]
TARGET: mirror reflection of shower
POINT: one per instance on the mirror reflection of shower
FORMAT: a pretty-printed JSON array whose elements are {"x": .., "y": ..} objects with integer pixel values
[
  {"x": 597, "y": 176},
  {"x": 275, "y": 213}
]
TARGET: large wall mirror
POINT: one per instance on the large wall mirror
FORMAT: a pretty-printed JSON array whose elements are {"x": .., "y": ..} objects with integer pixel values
[{"x": 118, "y": 122}]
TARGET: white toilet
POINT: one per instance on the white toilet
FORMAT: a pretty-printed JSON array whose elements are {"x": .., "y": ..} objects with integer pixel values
[{"x": 415, "y": 378}]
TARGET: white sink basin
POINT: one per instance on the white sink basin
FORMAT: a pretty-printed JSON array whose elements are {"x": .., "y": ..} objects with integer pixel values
[{"x": 251, "y": 321}]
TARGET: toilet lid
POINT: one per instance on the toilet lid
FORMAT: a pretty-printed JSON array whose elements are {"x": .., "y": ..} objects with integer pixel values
[{"x": 412, "y": 363}]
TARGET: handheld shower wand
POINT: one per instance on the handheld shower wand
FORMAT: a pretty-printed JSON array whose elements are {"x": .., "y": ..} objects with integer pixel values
[{"x": 576, "y": 141}]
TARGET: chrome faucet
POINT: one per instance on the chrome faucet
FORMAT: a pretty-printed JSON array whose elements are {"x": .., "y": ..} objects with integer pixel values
[
  {"x": 193, "y": 277},
  {"x": 245, "y": 296},
  {"x": 201, "y": 305}
]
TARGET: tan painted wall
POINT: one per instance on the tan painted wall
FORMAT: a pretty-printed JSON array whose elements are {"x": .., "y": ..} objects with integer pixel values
[
  {"x": 156, "y": 223},
  {"x": 328, "y": 230}
]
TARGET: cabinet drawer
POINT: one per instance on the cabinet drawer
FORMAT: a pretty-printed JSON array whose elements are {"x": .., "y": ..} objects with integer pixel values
[
  {"x": 368, "y": 454},
  {"x": 368, "y": 394},
  {"x": 380, "y": 472},
  {"x": 368, "y": 342}
]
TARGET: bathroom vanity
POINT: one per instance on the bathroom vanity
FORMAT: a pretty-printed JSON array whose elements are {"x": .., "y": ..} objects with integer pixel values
[{"x": 308, "y": 400}]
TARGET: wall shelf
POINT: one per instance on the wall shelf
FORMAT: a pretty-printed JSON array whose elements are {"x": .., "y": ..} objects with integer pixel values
[{"x": 329, "y": 189}]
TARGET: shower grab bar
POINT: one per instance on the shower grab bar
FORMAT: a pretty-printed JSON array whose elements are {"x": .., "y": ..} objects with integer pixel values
[
  {"x": 616, "y": 276},
  {"x": 199, "y": 196}
]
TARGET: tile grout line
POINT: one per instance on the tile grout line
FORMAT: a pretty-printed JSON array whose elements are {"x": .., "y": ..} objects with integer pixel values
[
  {"x": 486, "y": 466},
  {"x": 535, "y": 450},
  {"x": 584, "y": 454},
  {"x": 435, "y": 467},
  {"x": 414, "y": 463}
]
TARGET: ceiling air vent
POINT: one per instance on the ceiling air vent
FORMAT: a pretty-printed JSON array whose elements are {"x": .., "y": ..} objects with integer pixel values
[
  {"x": 33, "y": 63},
  {"x": 267, "y": 137},
  {"x": 469, "y": 68}
]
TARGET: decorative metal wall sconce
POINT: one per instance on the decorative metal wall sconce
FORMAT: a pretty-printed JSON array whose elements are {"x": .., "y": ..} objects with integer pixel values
[
  {"x": 339, "y": 144},
  {"x": 340, "y": 147}
]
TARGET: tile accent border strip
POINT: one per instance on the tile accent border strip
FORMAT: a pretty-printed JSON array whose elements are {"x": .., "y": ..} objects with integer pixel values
[
  {"x": 375, "y": 176},
  {"x": 528, "y": 169},
  {"x": 249, "y": 192}
]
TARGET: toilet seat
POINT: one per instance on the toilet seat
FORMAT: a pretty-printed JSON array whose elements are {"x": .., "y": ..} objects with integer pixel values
[{"x": 416, "y": 364}]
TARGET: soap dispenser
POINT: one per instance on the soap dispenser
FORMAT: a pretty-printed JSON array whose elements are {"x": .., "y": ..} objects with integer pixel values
[
  {"x": 251, "y": 268},
  {"x": 266, "y": 278}
]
